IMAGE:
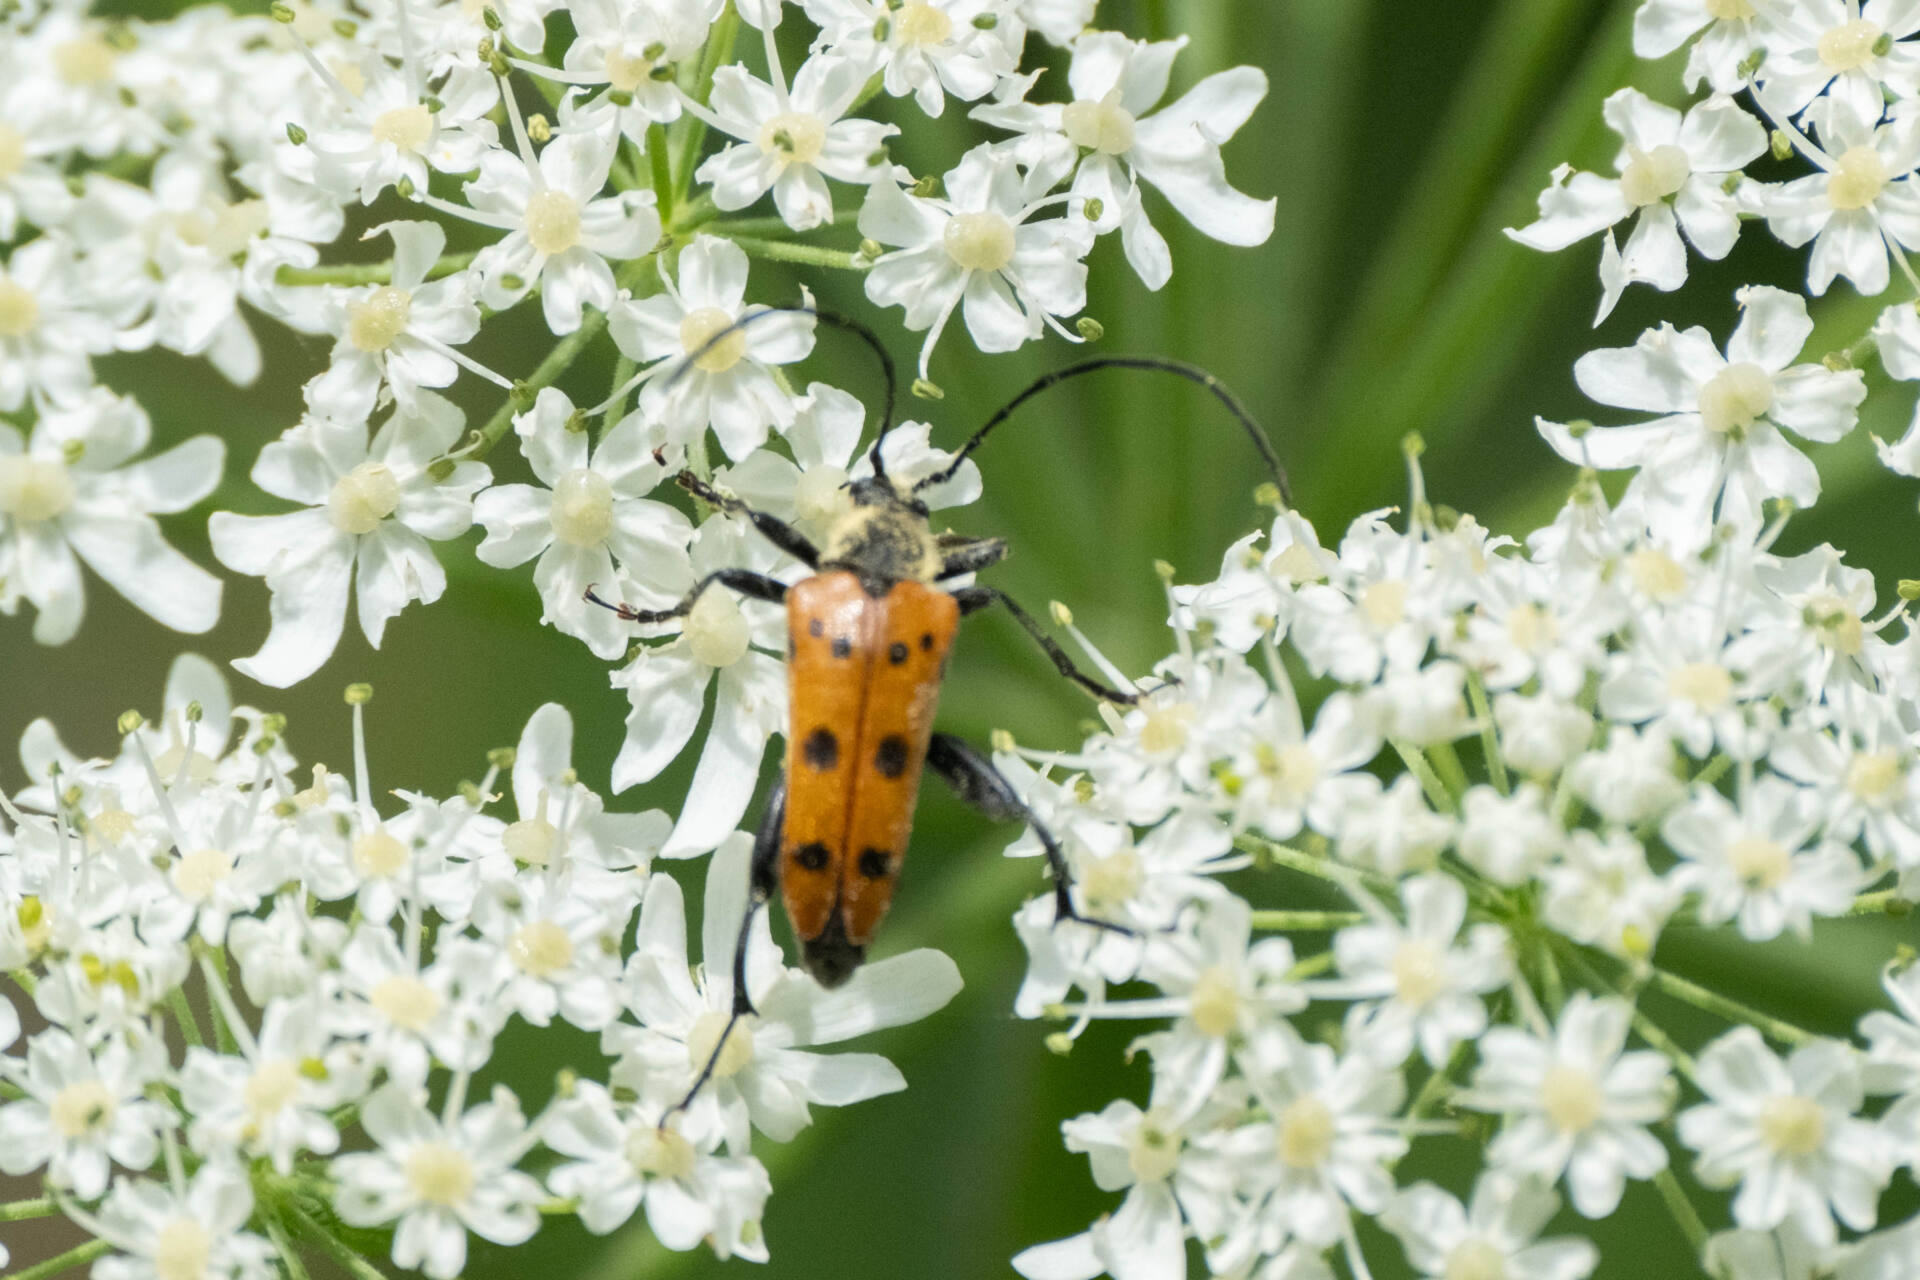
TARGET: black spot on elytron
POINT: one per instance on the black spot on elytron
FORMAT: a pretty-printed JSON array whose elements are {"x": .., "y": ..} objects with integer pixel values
[
  {"x": 814, "y": 627},
  {"x": 926, "y": 641},
  {"x": 842, "y": 647},
  {"x": 821, "y": 749},
  {"x": 896, "y": 653},
  {"x": 874, "y": 864},
  {"x": 812, "y": 857},
  {"x": 890, "y": 757}
]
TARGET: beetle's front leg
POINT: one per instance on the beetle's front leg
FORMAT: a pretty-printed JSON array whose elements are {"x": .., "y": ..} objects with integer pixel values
[
  {"x": 977, "y": 783},
  {"x": 771, "y": 527},
  {"x": 755, "y": 586}
]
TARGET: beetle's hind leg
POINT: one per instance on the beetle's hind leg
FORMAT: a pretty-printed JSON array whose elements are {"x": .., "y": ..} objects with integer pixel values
[
  {"x": 763, "y": 875},
  {"x": 755, "y": 586},
  {"x": 977, "y": 783},
  {"x": 974, "y": 599}
]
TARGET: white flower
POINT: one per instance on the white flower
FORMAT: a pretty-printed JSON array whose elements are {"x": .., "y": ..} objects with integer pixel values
[
  {"x": 440, "y": 1179},
  {"x": 1600, "y": 891},
  {"x": 586, "y": 509},
  {"x": 928, "y": 48},
  {"x": 411, "y": 1014},
  {"x": 398, "y": 334},
  {"x": 1673, "y": 173},
  {"x": 1124, "y": 144},
  {"x": 624, "y": 44},
  {"x": 370, "y": 510},
  {"x": 1760, "y": 863},
  {"x": 978, "y": 245},
  {"x": 1788, "y": 1134},
  {"x": 622, "y": 1158},
  {"x": 1718, "y": 444},
  {"x": 72, "y": 488},
  {"x": 82, "y": 1110},
  {"x": 762, "y": 1075},
  {"x": 166, "y": 1234},
  {"x": 49, "y": 324},
  {"x": 730, "y": 386},
  {"x": 560, "y": 232},
  {"x": 1495, "y": 1235},
  {"x": 387, "y": 134},
  {"x": 1661, "y": 26},
  {"x": 1508, "y": 838},
  {"x": 792, "y": 141},
  {"x": 1540, "y": 733},
  {"x": 1859, "y": 49},
  {"x": 1861, "y": 206},
  {"x": 1412, "y": 985},
  {"x": 272, "y": 1101},
  {"x": 1390, "y": 829},
  {"x": 1575, "y": 1102}
]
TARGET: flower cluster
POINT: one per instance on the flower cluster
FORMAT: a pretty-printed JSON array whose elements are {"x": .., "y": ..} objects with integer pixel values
[{"x": 339, "y": 975}]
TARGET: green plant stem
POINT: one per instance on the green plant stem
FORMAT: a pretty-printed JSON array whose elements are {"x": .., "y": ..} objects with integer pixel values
[
  {"x": 623, "y": 369},
  {"x": 1311, "y": 967},
  {"x": 348, "y": 273},
  {"x": 77, "y": 1256},
  {"x": 1684, "y": 1214},
  {"x": 775, "y": 225},
  {"x": 336, "y": 1248},
  {"x": 1489, "y": 734},
  {"x": 1420, "y": 767},
  {"x": 718, "y": 51},
  {"x": 661, "y": 171},
  {"x": 1446, "y": 761},
  {"x": 21, "y": 1210},
  {"x": 1726, "y": 1007},
  {"x": 811, "y": 255},
  {"x": 1307, "y": 921},
  {"x": 289, "y": 1252},
  {"x": 1319, "y": 868},
  {"x": 183, "y": 1014},
  {"x": 222, "y": 1033},
  {"x": 1886, "y": 902}
]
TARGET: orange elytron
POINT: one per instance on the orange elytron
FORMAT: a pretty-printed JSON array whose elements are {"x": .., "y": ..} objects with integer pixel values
[{"x": 867, "y": 641}]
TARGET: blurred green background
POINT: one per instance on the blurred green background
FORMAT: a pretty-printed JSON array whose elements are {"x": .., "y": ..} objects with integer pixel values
[{"x": 1398, "y": 138}]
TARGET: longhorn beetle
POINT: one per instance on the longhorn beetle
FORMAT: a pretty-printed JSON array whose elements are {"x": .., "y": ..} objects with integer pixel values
[{"x": 867, "y": 641}]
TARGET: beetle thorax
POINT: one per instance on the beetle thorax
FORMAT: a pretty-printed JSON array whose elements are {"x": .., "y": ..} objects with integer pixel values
[{"x": 884, "y": 544}]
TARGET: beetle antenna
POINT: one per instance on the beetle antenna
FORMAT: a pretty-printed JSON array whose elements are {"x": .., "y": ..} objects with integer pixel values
[
  {"x": 833, "y": 318},
  {"x": 1155, "y": 364}
]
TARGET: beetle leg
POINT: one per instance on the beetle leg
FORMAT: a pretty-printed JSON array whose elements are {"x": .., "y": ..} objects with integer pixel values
[
  {"x": 974, "y": 599},
  {"x": 763, "y": 875},
  {"x": 772, "y": 528},
  {"x": 970, "y": 556},
  {"x": 980, "y": 785},
  {"x": 757, "y": 586}
]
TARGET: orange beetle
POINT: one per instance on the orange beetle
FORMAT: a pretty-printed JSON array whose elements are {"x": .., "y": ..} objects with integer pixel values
[{"x": 867, "y": 641}]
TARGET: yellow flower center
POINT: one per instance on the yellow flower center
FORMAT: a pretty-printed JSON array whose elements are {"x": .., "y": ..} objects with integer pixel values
[
  {"x": 34, "y": 489},
  {"x": 979, "y": 241},
  {"x": 1858, "y": 177},
  {"x": 1384, "y": 603},
  {"x": 1734, "y": 397},
  {"x": 553, "y": 222},
  {"x": 1838, "y": 624},
  {"x": 19, "y": 309},
  {"x": 362, "y": 498},
  {"x": 1305, "y": 1139},
  {"x": 795, "y": 137},
  {"x": 1707, "y": 685},
  {"x": 405, "y": 128},
  {"x": 1657, "y": 574},
  {"x": 1293, "y": 769},
  {"x": 1531, "y": 628},
  {"x": 1419, "y": 973},
  {"x": 1873, "y": 777},
  {"x": 1652, "y": 176},
  {"x": 440, "y": 1174},
  {"x": 659, "y": 1153},
  {"x": 81, "y": 1108},
  {"x": 1475, "y": 1259},
  {"x": 223, "y": 229},
  {"x": 271, "y": 1088},
  {"x": 375, "y": 321},
  {"x": 181, "y": 1250},
  {"x": 1730, "y": 10},
  {"x": 1216, "y": 1002},
  {"x": 1759, "y": 862},
  {"x": 13, "y": 151},
  {"x": 921, "y": 24},
  {"x": 199, "y": 873},
  {"x": 1152, "y": 1155},
  {"x": 405, "y": 1001},
  {"x": 1793, "y": 1125},
  {"x": 115, "y": 825},
  {"x": 1110, "y": 881},
  {"x": 1166, "y": 728},
  {"x": 378, "y": 856},
  {"x": 88, "y": 60},
  {"x": 531, "y": 841},
  {"x": 626, "y": 72},
  {"x": 821, "y": 496},
  {"x": 1848, "y": 46},
  {"x": 705, "y": 1037},
  {"x": 717, "y": 630},
  {"x": 582, "y": 508},
  {"x": 1570, "y": 1097},
  {"x": 1104, "y": 125},
  {"x": 701, "y": 326},
  {"x": 541, "y": 949}
]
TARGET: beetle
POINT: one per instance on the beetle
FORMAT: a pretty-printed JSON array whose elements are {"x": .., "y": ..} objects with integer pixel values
[{"x": 868, "y": 636}]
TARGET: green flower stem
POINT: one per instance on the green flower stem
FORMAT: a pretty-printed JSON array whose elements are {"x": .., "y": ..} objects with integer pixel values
[
  {"x": 1307, "y": 921},
  {"x": 78, "y": 1256},
  {"x": 1489, "y": 735},
  {"x": 718, "y": 51},
  {"x": 1312, "y": 967},
  {"x": 348, "y": 273},
  {"x": 214, "y": 969},
  {"x": 1887, "y": 902},
  {"x": 623, "y": 369},
  {"x": 556, "y": 1207},
  {"x": 1723, "y": 1006},
  {"x": 289, "y": 1252},
  {"x": 691, "y": 215},
  {"x": 1684, "y": 1214},
  {"x": 1319, "y": 868},
  {"x": 183, "y": 1014},
  {"x": 1714, "y": 770},
  {"x": 336, "y": 1248},
  {"x": 1420, "y": 767},
  {"x": 774, "y": 225},
  {"x": 1446, "y": 761},
  {"x": 661, "y": 171},
  {"x": 811, "y": 255},
  {"x": 21, "y": 1210}
]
